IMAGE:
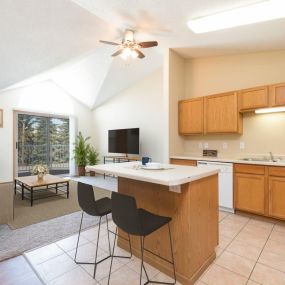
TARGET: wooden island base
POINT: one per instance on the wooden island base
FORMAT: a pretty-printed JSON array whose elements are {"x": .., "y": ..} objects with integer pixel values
[{"x": 194, "y": 225}]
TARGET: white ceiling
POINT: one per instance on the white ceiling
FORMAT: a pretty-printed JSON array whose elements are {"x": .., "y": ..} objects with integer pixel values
[{"x": 39, "y": 35}]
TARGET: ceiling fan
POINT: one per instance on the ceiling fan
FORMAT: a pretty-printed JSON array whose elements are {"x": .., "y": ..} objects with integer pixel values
[{"x": 130, "y": 47}]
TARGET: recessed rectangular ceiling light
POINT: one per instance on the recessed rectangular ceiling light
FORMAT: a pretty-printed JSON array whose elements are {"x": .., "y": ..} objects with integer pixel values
[
  {"x": 255, "y": 13},
  {"x": 270, "y": 110}
]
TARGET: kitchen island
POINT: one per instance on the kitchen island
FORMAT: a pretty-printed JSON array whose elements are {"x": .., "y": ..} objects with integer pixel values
[{"x": 187, "y": 194}]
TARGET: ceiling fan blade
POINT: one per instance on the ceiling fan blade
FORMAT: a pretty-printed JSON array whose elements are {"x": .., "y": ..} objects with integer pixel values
[
  {"x": 109, "y": 43},
  {"x": 118, "y": 52},
  {"x": 140, "y": 54},
  {"x": 148, "y": 44}
]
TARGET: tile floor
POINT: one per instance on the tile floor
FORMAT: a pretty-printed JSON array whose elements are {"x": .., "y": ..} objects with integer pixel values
[{"x": 251, "y": 251}]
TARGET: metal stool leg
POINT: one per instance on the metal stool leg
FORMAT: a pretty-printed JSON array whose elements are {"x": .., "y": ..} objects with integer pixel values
[
  {"x": 171, "y": 262},
  {"x": 98, "y": 236},
  {"x": 97, "y": 245},
  {"x": 112, "y": 257},
  {"x": 172, "y": 255},
  {"x": 78, "y": 237},
  {"x": 142, "y": 262},
  {"x": 108, "y": 235}
]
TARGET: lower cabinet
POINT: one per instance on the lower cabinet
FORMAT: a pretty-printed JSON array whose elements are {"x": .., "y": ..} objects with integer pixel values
[
  {"x": 277, "y": 197},
  {"x": 260, "y": 190},
  {"x": 250, "y": 193}
]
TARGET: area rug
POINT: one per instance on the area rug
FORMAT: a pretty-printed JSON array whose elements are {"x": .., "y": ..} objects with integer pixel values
[
  {"x": 16, "y": 242},
  {"x": 48, "y": 208}
]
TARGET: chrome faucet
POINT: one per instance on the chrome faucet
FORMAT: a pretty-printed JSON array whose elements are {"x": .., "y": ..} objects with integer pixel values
[{"x": 271, "y": 156}]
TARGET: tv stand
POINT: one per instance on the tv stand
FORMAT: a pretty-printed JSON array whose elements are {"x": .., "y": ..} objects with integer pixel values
[{"x": 119, "y": 159}]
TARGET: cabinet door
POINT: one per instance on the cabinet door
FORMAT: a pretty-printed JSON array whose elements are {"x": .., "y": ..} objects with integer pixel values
[
  {"x": 278, "y": 94},
  {"x": 277, "y": 197},
  {"x": 250, "y": 193},
  {"x": 191, "y": 120},
  {"x": 253, "y": 98},
  {"x": 221, "y": 114}
]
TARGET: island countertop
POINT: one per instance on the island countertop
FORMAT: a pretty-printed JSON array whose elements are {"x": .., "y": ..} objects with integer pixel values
[{"x": 172, "y": 175}]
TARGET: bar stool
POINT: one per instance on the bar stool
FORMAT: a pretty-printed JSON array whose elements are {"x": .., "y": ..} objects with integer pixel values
[
  {"x": 99, "y": 208},
  {"x": 138, "y": 222}
]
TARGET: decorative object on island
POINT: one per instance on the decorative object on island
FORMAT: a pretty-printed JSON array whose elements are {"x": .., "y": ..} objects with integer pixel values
[
  {"x": 41, "y": 170},
  {"x": 1, "y": 118},
  {"x": 81, "y": 150},
  {"x": 93, "y": 158}
]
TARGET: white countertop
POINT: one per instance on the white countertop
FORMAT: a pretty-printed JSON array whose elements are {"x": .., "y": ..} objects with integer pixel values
[
  {"x": 172, "y": 175},
  {"x": 232, "y": 160}
]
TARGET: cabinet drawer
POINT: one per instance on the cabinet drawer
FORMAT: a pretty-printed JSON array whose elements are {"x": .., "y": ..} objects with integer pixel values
[
  {"x": 249, "y": 168},
  {"x": 183, "y": 162},
  {"x": 276, "y": 171}
]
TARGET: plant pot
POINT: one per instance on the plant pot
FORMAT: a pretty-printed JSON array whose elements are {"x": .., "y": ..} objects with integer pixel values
[
  {"x": 41, "y": 176},
  {"x": 92, "y": 173},
  {"x": 81, "y": 170}
]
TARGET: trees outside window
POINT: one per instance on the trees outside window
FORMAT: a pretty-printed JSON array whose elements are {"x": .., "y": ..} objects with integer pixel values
[{"x": 42, "y": 140}]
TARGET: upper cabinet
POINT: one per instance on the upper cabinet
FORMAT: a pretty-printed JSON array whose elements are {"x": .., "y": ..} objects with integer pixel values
[
  {"x": 221, "y": 114},
  {"x": 253, "y": 98},
  {"x": 277, "y": 92},
  {"x": 191, "y": 116}
]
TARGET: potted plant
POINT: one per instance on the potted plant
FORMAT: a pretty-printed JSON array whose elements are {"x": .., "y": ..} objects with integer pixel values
[
  {"x": 41, "y": 170},
  {"x": 93, "y": 158},
  {"x": 81, "y": 149}
]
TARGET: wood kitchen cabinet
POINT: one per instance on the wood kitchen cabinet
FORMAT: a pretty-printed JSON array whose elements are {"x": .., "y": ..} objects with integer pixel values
[
  {"x": 277, "y": 197},
  {"x": 191, "y": 116},
  {"x": 253, "y": 98},
  {"x": 188, "y": 162},
  {"x": 250, "y": 193},
  {"x": 276, "y": 189},
  {"x": 277, "y": 93},
  {"x": 221, "y": 114},
  {"x": 260, "y": 189}
]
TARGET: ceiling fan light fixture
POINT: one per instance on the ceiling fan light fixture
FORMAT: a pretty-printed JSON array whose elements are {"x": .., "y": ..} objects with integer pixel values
[
  {"x": 134, "y": 54},
  {"x": 127, "y": 52},
  {"x": 129, "y": 36}
]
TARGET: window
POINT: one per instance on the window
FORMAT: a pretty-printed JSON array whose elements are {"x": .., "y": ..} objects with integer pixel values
[{"x": 42, "y": 140}]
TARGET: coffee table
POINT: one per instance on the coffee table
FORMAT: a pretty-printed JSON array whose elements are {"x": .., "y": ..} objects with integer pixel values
[{"x": 50, "y": 183}]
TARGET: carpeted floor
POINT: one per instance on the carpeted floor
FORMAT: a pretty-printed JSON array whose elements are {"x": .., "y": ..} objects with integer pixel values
[
  {"x": 15, "y": 242},
  {"x": 47, "y": 208}
]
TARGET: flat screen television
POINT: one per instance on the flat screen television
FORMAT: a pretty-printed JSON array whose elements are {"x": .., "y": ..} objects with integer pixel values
[{"x": 124, "y": 141}]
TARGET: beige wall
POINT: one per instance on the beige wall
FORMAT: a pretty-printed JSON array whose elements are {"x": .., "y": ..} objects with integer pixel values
[
  {"x": 210, "y": 75},
  {"x": 176, "y": 85},
  {"x": 205, "y": 76},
  {"x": 142, "y": 106},
  {"x": 43, "y": 97}
]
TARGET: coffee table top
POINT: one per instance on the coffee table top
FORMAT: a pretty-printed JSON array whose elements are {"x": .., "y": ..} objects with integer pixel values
[{"x": 32, "y": 181}]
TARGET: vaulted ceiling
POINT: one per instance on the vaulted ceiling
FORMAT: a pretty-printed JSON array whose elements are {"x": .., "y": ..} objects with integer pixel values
[{"x": 59, "y": 40}]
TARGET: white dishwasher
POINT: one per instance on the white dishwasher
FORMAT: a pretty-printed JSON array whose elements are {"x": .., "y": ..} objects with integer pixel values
[{"x": 225, "y": 183}]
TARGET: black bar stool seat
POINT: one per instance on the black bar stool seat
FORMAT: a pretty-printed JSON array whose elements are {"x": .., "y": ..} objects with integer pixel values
[
  {"x": 103, "y": 207},
  {"x": 151, "y": 222}
]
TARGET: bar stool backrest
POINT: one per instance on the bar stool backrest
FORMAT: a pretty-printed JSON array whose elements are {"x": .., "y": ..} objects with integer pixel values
[
  {"x": 86, "y": 198},
  {"x": 125, "y": 213}
]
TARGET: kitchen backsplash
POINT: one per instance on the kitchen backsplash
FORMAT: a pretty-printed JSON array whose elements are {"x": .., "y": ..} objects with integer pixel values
[{"x": 261, "y": 134}]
